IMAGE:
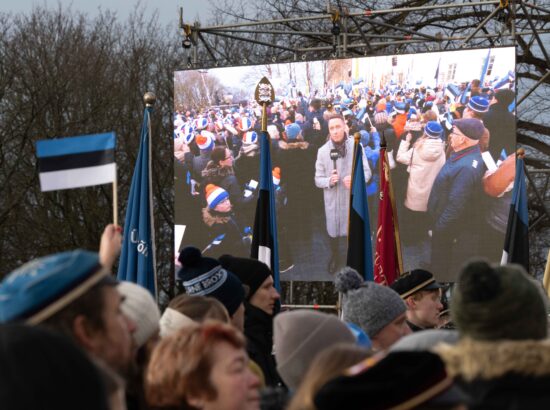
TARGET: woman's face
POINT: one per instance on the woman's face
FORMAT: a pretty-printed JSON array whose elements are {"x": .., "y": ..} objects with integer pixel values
[
  {"x": 224, "y": 206},
  {"x": 236, "y": 386},
  {"x": 228, "y": 160}
]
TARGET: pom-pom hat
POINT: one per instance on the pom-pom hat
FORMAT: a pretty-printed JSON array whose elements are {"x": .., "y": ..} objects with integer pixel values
[
  {"x": 292, "y": 131},
  {"x": 201, "y": 123},
  {"x": 206, "y": 277},
  {"x": 205, "y": 140},
  {"x": 244, "y": 123},
  {"x": 367, "y": 304},
  {"x": 42, "y": 287},
  {"x": 215, "y": 195}
]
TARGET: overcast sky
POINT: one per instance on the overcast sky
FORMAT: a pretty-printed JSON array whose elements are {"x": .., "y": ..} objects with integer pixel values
[{"x": 168, "y": 9}]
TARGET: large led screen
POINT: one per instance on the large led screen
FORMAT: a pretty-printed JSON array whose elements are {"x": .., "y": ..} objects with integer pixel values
[{"x": 449, "y": 124}]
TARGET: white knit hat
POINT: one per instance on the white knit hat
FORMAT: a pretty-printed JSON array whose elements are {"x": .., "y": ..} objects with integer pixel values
[{"x": 141, "y": 308}]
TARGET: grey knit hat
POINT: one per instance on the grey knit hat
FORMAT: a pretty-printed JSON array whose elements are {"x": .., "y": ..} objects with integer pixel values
[
  {"x": 367, "y": 304},
  {"x": 298, "y": 336}
]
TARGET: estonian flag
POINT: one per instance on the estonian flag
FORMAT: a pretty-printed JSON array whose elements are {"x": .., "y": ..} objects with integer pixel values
[
  {"x": 74, "y": 162},
  {"x": 359, "y": 240},
  {"x": 137, "y": 259},
  {"x": 264, "y": 238},
  {"x": 516, "y": 244}
]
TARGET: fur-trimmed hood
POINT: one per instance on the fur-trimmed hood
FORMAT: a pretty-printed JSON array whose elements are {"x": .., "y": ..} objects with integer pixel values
[
  {"x": 211, "y": 217},
  {"x": 487, "y": 360},
  {"x": 293, "y": 145},
  {"x": 212, "y": 171}
]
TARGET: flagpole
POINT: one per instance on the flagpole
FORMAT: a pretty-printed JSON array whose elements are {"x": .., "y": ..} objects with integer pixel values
[
  {"x": 149, "y": 99},
  {"x": 115, "y": 199}
]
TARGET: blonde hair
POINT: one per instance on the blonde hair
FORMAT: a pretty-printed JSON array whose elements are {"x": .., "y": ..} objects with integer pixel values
[
  {"x": 181, "y": 364},
  {"x": 200, "y": 308},
  {"x": 327, "y": 365}
]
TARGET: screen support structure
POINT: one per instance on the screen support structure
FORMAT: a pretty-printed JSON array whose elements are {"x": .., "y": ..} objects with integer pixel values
[{"x": 332, "y": 30}]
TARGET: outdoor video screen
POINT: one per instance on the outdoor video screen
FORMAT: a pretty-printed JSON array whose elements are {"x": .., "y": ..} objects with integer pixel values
[{"x": 448, "y": 120}]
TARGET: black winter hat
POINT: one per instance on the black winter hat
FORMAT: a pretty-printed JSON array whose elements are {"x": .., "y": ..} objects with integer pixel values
[
  {"x": 206, "y": 277},
  {"x": 251, "y": 272},
  {"x": 44, "y": 370}
]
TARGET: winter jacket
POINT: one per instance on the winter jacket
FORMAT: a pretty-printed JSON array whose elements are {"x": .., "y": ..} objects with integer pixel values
[
  {"x": 222, "y": 236},
  {"x": 247, "y": 164},
  {"x": 258, "y": 329},
  {"x": 424, "y": 160},
  {"x": 336, "y": 197},
  {"x": 455, "y": 198},
  {"x": 501, "y": 375}
]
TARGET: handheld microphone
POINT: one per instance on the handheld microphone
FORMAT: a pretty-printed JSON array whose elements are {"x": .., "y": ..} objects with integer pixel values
[{"x": 334, "y": 156}]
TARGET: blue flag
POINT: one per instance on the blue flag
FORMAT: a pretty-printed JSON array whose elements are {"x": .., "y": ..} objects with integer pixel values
[
  {"x": 516, "y": 243},
  {"x": 359, "y": 234},
  {"x": 484, "y": 68},
  {"x": 264, "y": 237},
  {"x": 137, "y": 260}
]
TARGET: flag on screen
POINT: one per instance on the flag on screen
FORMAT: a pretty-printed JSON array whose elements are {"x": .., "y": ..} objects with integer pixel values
[
  {"x": 387, "y": 257},
  {"x": 264, "y": 236},
  {"x": 485, "y": 67},
  {"x": 516, "y": 243},
  {"x": 75, "y": 162},
  {"x": 137, "y": 259},
  {"x": 359, "y": 240}
]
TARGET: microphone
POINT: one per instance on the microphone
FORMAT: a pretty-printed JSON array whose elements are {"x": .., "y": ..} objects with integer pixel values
[{"x": 334, "y": 156}]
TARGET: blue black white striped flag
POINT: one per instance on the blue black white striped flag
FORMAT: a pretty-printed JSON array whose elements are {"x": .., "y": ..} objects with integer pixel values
[
  {"x": 359, "y": 233},
  {"x": 75, "y": 162},
  {"x": 264, "y": 238},
  {"x": 516, "y": 244}
]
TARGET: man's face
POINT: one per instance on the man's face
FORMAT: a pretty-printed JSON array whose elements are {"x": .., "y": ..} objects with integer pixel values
[
  {"x": 113, "y": 343},
  {"x": 424, "y": 309},
  {"x": 266, "y": 296},
  {"x": 336, "y": 128},
  {"x": 456, "y": 138},
  {"x": 391, "y": 333}
]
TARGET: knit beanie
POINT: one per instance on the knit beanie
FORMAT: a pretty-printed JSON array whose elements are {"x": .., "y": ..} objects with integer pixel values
[
  {"x": 292, "y": 131},
  {"x": 141, "y": 308},
  {"x": 205, "y": 140},
  {"x": 381, "y": 118},
  {"x": 251, "y": 272},
  {"x": 299, "y": 335},
  {"x": 433, "y": 129},
  {"x": 478, "y": 104},
  {"x": 367, "y": 304},
  {"x": 498, "y": 302},
  {"x": 215, "y": 195},
  {"x": 206, "y": 277},
  {"x": 44, "y": 370},
  {"x": 471, "y": 127}
]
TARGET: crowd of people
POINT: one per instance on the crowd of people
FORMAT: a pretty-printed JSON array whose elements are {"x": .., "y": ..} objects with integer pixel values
[
  {"x": 71, "y": 336},
  {"x": 450, "y": 148}
]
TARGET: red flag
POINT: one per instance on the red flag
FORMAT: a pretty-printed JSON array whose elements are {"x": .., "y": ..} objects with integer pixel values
[{"x": 387, "y": 258}]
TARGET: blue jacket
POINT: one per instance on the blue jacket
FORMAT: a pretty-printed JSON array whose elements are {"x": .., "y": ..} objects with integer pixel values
[{"x": 456, "y": 195}]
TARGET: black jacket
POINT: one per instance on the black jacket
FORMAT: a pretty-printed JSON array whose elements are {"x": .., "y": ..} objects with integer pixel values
[{"x": 258, "y": 329}]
